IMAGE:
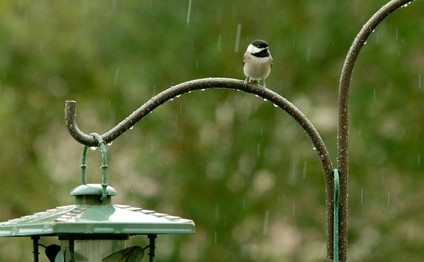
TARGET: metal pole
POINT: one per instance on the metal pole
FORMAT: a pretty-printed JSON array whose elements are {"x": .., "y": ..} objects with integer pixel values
[
  {"x": 215, "y": 83},
  {"x": 152, "y": 247},
  {"x": 35, "y": 248},
  {"x": 343, "y": 128}
]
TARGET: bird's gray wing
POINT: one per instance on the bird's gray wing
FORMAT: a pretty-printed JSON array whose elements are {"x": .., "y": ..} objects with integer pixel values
[{"x": 244, "y": 57}]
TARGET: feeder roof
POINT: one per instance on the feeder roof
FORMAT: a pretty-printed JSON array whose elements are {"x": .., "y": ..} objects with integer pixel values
[{"x": 88, "y": 217}]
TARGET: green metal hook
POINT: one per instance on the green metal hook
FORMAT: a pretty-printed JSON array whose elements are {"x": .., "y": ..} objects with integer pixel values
[
  {"x": 84, "y": 165},
  {"x": 336, "y": 215},
  {"x": 101, "y": 145}
]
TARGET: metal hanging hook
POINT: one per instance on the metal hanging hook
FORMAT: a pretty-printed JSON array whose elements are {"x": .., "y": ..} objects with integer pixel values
[
  {"x": 343, "y": 100},
  {"x": 104, "y": 166},
  {"x": 217, "y": 83}
]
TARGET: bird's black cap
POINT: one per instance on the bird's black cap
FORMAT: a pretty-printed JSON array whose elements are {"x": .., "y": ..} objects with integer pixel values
[{"x": 260, "y": 43}]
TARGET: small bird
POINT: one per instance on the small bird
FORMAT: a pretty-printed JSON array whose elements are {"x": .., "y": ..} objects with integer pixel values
[
  {"x": 257, "y": 62},
  {"x": 54, "y": 253}
]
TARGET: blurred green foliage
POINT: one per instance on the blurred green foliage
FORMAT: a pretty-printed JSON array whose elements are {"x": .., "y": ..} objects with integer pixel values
[{"x": 241, "y": 169}]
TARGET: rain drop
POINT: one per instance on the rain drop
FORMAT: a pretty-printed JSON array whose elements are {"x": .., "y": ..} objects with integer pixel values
[
  {"x": 305, "y": 165},
  {"x": 237, "y": 44},
  {"x": 93, "y": 147},
  {"x": 110, "y": 143},
  {"x": 219, "y": 42},
  {"x": 116, "y": 76},
  {"x": 188, "y": 12},
  {"x": 275, "y": 105}
]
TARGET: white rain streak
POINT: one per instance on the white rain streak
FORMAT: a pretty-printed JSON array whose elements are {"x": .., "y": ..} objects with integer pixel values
[
  {"x": 305, "y": 167},
  {"x": 237, "y": 44},
  {"x": 219, "y": 45},
  {"x": 116, "y": 75},
  {"x": 188, "y": 12}
]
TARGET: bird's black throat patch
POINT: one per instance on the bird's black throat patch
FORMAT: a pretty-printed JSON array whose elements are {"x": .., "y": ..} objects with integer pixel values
[{"x": 263, "y": 53}]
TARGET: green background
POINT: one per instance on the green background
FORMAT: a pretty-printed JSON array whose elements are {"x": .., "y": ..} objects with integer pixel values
[{"x": 243, "y": 170}]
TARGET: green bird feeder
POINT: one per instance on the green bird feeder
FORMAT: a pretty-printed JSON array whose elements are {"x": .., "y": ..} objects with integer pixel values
[{"x": 94, "y": 229}]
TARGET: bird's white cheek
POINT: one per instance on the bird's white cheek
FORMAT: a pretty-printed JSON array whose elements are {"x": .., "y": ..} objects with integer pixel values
[{"x": 253, "y": 49}]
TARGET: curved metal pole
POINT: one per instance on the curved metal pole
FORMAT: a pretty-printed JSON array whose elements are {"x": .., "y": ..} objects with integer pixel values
[
  {"x": 343, "y": 128},
  {"x": 207, "y": 83}
]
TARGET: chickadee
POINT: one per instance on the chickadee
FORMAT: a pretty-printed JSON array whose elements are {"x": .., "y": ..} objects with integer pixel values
[
  {"x": 54, "y": 253},
  {"x": 257, "y": 61}
]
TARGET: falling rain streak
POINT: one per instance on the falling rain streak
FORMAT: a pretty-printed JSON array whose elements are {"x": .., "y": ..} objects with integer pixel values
[
  {"x": 188, "y": 12},
  {"x": 419, "y": 81},
  {"x": 116, "y": 76},
  {"x": 237, "y": 44},
  {"x": 219, "y": 42},
  {"x": 305, "y": 167}
]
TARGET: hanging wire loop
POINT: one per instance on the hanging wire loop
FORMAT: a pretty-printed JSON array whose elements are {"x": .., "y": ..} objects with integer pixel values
[
  {"x": 101, "y": 145},
  {"x": 216, "y": 83}
]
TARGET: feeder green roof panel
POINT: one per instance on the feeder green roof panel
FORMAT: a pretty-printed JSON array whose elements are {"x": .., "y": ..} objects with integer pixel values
[{"x": 96, "y": 219}]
